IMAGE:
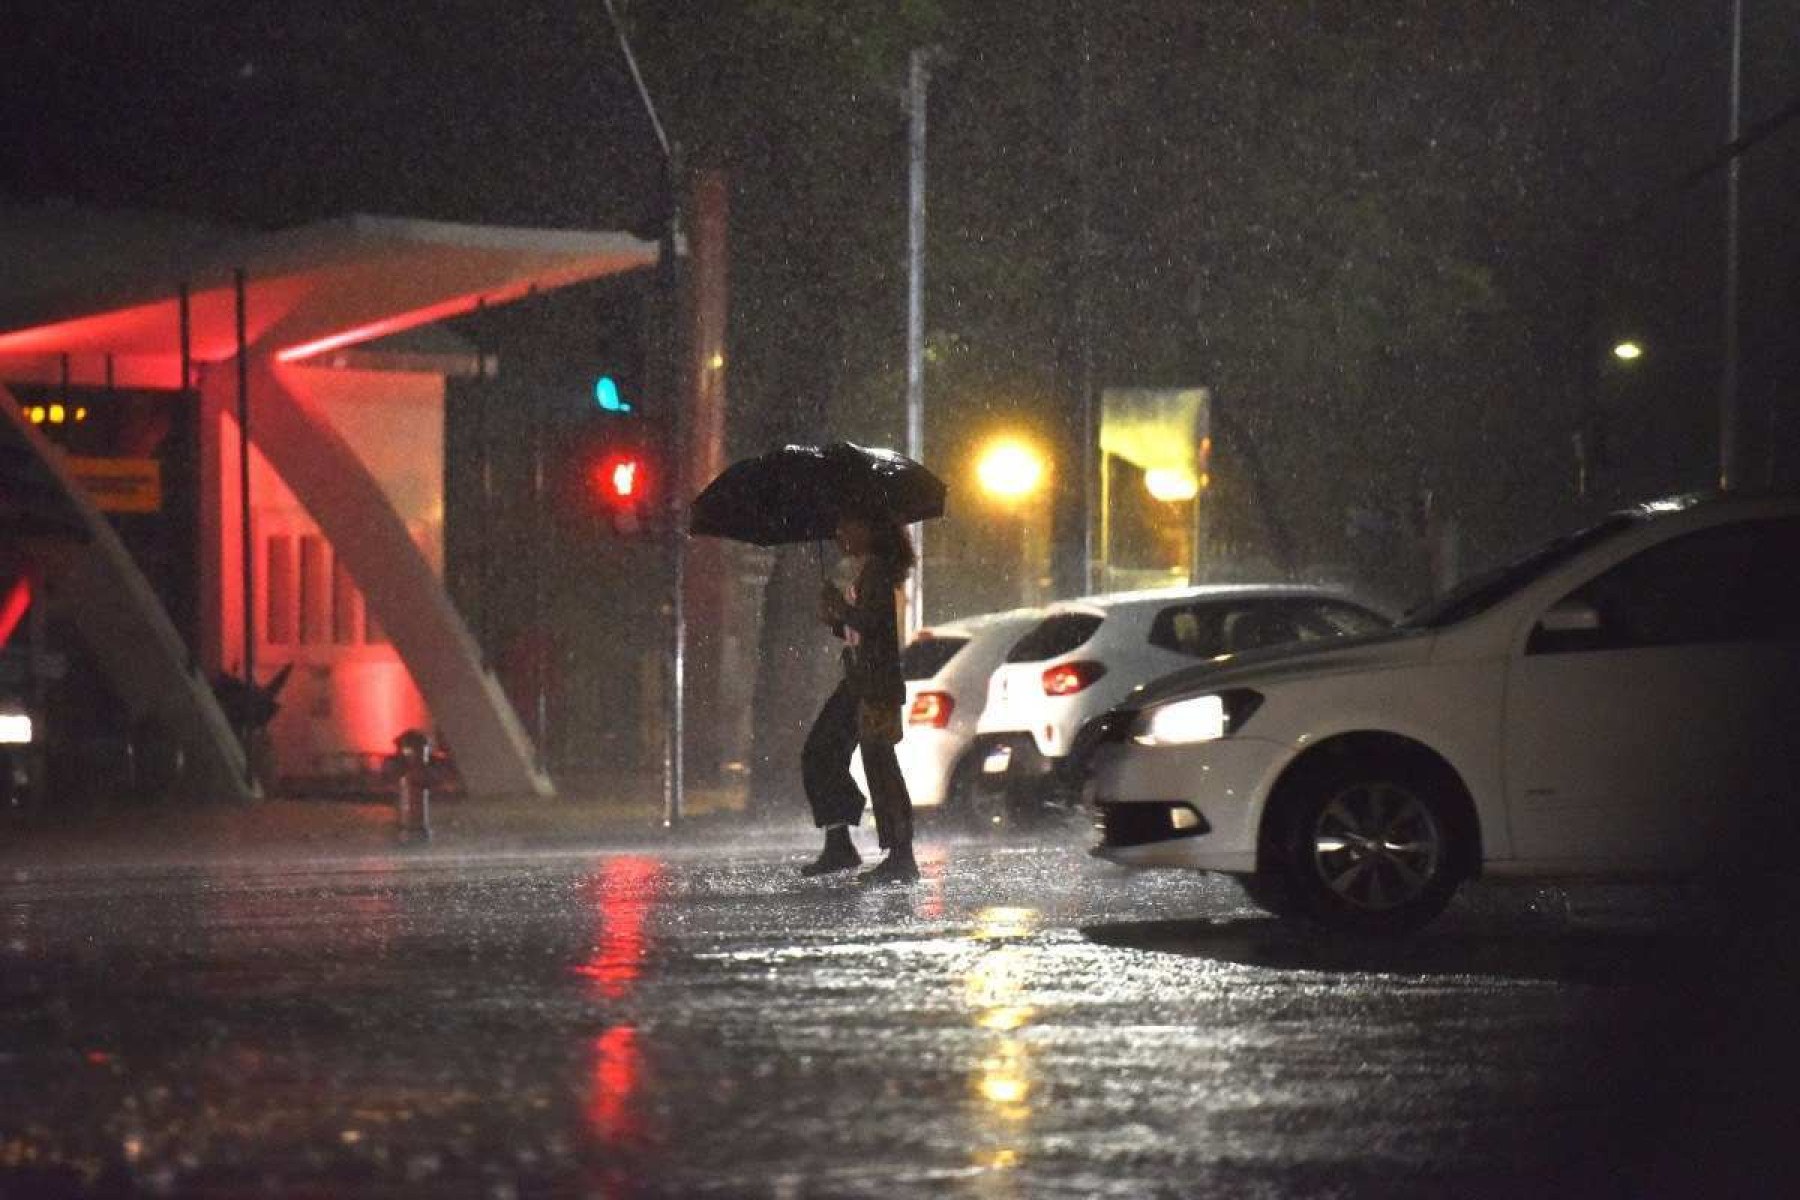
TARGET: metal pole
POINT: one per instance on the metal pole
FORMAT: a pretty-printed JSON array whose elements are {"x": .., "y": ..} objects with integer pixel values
[
  {"x": 540, "y": 638},
  {"x": 1084, "y": 293},
  {"x": 1104, "y": 567},
  {"x": 674, "y": 392},
  {"x": 185, "y": 338},
  {"x": 484, "y": 634},
  {"x": 917, "y": 81},
  {"x": 1728, "y": 385},
  {"x": 674, "y": 781},
  {"x": 245, "y": 546}
]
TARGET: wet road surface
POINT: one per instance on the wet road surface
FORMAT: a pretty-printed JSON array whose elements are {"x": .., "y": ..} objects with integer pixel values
[{"x": 1026, "y": 1022}]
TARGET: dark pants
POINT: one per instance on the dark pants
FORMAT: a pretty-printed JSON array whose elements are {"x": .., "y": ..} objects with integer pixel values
[{"x": 830, "y": 788}]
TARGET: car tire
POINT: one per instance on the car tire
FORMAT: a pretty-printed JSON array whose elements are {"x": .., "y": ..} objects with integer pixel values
[{"x": 1370, "y": 846}]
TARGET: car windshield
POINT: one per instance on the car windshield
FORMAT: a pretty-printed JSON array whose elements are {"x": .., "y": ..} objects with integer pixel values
[{"x": 1481, "y": 592}]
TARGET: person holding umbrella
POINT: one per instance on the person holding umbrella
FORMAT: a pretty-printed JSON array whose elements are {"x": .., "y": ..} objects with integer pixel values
[
  {"x": 864, "y": 712},
  {"x": 863, "y": 498}
]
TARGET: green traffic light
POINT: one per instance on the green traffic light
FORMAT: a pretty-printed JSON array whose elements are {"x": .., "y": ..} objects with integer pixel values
[{"x": 606, "y": 395}]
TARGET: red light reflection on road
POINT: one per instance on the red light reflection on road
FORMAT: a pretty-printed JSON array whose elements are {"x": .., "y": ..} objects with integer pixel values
[
  {"x": 617, "y": 892},
  {"x": 931, "y": 871},
  {"x": 620, "y": 896},
  {"x": 617, "y": 1065}
]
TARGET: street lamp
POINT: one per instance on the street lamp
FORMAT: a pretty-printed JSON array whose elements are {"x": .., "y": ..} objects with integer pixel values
[
  {"x": 1009, "y": 469},
  {"x": 1171, "y": 485}
]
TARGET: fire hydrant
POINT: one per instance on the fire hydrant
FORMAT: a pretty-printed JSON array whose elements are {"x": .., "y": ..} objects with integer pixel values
[{"x": 412, "y": 804}]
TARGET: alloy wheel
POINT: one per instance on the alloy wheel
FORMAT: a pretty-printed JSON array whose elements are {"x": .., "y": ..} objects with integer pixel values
[{"x": 1377, "y": 846}]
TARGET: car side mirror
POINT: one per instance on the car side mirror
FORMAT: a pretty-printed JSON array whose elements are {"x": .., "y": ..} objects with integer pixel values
[{"x": 1571, "y": 616}]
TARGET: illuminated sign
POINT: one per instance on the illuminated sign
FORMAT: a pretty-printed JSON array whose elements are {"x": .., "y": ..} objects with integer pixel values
[{"x": 120, "y": 485}]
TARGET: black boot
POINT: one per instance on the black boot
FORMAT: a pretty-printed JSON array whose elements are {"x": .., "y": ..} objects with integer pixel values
[
  {"x": 839, "y": 854},
  {"x": 897, "y": 867}
]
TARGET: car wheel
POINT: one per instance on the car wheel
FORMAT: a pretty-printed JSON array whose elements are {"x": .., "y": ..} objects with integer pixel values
[{"x": 1371, "y": 848}]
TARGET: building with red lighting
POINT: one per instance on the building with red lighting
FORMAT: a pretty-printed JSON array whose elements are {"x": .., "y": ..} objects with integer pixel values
[{"x": 124, "y": 358}]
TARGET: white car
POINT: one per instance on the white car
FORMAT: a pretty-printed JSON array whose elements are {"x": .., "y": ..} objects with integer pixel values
[
  {"x": 1622, "y": 701},
  {"x": 1085, "y": 656},
  {"x": 947, "y": 668}
]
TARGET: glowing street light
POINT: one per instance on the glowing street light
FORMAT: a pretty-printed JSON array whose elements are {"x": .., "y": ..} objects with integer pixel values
[
  {"x": 1171, "y": 484},
  {"x": 1009, "y": 470},
  {"x": 1628, "y": 351}
]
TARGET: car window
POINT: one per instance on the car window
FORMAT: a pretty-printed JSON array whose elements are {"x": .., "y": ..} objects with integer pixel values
[
  {"x": 1479, "y": 593},
  {"x": 1055, "y": 635},
  {"x": 1212, "y": 628},
  {"x": 1196, "y": 630},
  {"x": 926, "y": 656},
  {"x": 1691, "y": 590}
]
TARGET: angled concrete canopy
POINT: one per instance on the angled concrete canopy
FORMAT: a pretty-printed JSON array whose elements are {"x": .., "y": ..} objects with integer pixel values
[
  {"x": 312, "y": 289},
  {"x": 81, "y": 310}
]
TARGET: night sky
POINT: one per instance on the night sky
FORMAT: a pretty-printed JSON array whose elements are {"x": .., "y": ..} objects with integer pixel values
[{"x": 1239, "y": 159}]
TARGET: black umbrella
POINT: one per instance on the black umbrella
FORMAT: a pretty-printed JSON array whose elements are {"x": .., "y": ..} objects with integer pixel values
[{"x": 796, "y": 493}]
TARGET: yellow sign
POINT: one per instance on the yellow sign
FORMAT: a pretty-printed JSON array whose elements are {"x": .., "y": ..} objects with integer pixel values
[{"x": 120, "y": 485}]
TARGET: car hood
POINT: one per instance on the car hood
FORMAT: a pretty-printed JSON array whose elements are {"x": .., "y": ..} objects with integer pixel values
[{"x": 1369, "y": 652}]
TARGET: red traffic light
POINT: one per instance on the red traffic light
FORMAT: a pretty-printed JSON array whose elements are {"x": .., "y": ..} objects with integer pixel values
[{"x": 620, "y": 479}]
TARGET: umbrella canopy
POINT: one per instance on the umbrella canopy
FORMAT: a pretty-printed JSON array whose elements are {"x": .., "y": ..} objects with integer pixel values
[{"x": 796, "y": 493}]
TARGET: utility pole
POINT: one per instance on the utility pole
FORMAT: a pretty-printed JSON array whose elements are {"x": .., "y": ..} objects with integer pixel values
[
  {"x": 1729, "y": 472},
  {"x": 918, "y": 78},
  {"x": 668, "y": 368},
  {"x": 1084, "y": 298}
]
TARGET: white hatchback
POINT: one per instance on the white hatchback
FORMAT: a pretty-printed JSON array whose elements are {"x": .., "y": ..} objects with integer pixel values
[
  {"x": 947, "y": 668},
  {"x": 1622, "y": 701},
  {"x": 1085, "y": 656}
]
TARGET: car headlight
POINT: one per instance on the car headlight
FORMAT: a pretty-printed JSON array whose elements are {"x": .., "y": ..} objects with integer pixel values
[
  {"x": 1201, "y": 719},
  {"x": 16, "y": 729}
]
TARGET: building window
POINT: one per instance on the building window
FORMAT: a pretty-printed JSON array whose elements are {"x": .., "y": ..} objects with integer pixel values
[
  {"x": 315, "y": 594},
  {"x": 346, "y": 605},
  {"x": 278, "y": 590}
]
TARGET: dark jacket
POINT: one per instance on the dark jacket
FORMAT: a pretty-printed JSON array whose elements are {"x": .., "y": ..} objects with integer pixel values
[{"x": 872, "y": 659}]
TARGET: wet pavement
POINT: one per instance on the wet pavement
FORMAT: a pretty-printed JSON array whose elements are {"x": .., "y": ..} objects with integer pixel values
[{"x": 695, "y": 1020}]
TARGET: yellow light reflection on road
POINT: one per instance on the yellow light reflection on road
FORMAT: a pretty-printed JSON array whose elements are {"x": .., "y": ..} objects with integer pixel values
[
  {"x": 997, "y": 990},
  {"x": 995, "y": 924}
]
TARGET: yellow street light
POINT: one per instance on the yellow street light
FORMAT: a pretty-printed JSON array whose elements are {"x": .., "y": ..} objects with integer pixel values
[
  {"x": 1628, "y": 351},
  {"x": 1009, "y": 469},
  {"x": 1171, "y": 484}
]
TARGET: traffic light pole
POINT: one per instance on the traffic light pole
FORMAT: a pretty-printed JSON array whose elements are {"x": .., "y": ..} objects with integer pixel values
[
  {"x": 671, "y": 393},
  {"x": 668, "y": 350}
]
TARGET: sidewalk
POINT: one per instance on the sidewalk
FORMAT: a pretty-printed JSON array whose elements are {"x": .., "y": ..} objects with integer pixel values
[{"x": 298, "y": 829}]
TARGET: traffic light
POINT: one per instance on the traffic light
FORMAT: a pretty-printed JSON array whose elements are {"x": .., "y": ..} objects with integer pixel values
[
  {"x": 609, "y": 398},
  {"x": 620, "y": 482},
  {"x": 610, "y": 478}
]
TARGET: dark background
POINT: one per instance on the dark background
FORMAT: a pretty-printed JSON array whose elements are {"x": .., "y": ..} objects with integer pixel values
[{"x": 1396, "y": 239}]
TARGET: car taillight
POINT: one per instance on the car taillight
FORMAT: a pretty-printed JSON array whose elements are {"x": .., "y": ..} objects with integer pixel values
[
  {"x": 932, "y": 708},
  {"x": 1069, "y": 678}
]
